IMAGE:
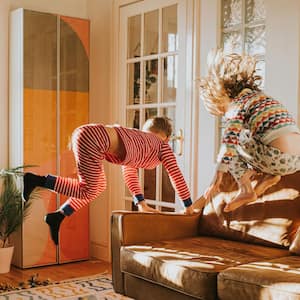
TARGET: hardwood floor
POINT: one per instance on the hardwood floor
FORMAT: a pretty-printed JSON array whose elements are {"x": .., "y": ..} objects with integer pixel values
[{"x": 56, "y": 272}]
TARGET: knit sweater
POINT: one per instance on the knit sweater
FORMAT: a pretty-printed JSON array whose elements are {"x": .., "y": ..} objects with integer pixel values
[{"x": 265, "y": 117}]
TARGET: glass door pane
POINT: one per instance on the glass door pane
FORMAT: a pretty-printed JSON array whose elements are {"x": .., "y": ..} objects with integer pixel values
[
  {"x": 134, "y": 36},
  {"x": 150, "y": 80},
  {"x": 151, "y": 33},
  {"x": 170, "y": 78},
  {"x": 134, "y": 83},
  {"x": 169, "y": 27}
]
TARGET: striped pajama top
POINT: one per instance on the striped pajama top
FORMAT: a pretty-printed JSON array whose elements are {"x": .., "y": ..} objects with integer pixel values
[
  {"x": 265, "y": 118},
  {"x": 147, "y": 151}
]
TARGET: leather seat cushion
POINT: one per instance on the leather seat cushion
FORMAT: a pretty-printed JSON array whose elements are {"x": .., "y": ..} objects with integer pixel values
[
  {"x": 273, "y": 279},
  {"x": 191, "y": 265}
]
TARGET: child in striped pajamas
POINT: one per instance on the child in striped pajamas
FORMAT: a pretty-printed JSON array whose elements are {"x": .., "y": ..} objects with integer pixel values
[
  {"x": 131, "y": 148},
  {"x": 260, "y": 135}
]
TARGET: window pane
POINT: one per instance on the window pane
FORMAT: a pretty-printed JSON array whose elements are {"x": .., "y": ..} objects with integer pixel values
[
  {"x": 134, "y": 37},
  {"x": 150, "y": 113},
  {"x": 150, "y": 79},
  {"x": 167, "y": 209},
  {"x": 170, "y": 77},
  {"x": 169, "y": 27},
  {"x": 150, "y": 184},
  {"x": 255, "y": 10},
  {"x": 261, "y": 67},
  {"x": 133, "y": 118},
  {"x": 232, "y": 13},
  {"x": 168, "y": 192},
  {"x": 133, "y": 84},
  {"x": 151, "y": 33},
  {"x": 170, "y": 113},
  {"x": 255, "y": 40},
  {"x": 232, "y": 42}
]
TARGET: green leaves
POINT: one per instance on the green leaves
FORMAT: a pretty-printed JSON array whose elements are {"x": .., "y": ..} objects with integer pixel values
[{"x": 13, "y": 209}]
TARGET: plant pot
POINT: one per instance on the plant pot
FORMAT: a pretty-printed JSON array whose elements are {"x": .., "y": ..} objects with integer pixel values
[{"x": 5, "y": 259}]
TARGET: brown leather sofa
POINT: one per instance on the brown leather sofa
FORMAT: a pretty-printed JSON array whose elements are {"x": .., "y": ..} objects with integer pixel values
[{"x": 211, "y": 255}]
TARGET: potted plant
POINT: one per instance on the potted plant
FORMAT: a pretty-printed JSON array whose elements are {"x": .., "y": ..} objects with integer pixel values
[{"x": 13, "y": 210}]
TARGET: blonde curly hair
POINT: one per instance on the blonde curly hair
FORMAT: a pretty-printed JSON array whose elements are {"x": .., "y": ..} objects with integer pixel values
[{"x": 228, "y": 75}]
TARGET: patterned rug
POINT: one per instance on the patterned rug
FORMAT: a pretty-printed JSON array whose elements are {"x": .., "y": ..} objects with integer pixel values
[{"x": 85, "y": 288}]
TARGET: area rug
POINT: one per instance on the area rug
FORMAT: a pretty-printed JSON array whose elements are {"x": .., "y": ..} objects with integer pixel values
[{"x": 85, "y": 288}]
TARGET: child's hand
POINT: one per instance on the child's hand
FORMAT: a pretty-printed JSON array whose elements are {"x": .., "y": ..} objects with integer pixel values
[
  {"x": 214, "y": 187},
  {"x": 144, "y": 207},
  {"x": 188, "y": 210},
  {"x": 199, "y": 204}
]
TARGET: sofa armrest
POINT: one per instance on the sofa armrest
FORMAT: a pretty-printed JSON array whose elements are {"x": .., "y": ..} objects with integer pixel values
[{"x": 133, "y": 228}]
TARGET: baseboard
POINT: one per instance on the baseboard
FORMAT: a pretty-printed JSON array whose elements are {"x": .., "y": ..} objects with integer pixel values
[{"x": 100, "y": 251}]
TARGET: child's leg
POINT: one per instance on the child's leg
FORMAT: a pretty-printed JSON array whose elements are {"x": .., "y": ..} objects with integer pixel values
[
  {"x": 90, "y": 143},
  {"x": 242, "y": 175},
  {"x": 265, "y": 182}
]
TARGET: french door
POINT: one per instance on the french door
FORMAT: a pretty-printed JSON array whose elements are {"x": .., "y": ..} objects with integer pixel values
[{"x": 154, "y": 81}]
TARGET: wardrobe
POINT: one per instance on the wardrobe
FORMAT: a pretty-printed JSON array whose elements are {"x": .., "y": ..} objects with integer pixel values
[{"x": 49, "y": 98}]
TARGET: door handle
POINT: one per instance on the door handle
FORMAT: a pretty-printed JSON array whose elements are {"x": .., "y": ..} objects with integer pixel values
[{"x": 178, "y": 138}]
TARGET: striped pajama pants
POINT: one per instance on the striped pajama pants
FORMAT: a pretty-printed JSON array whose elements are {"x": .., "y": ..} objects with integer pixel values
[{"x": 89, "y": 145}]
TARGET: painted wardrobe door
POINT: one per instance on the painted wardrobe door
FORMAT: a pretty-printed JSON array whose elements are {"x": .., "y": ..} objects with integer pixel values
[
  {"x": 39, "y": 129},
  {"x": 74, "y": 110}
]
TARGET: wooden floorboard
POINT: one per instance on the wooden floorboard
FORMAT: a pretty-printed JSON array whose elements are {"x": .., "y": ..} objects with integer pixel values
[{"x": 56, "y": 272}]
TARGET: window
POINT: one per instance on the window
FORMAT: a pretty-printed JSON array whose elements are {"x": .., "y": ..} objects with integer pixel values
[{"x": 243, "y": 31}]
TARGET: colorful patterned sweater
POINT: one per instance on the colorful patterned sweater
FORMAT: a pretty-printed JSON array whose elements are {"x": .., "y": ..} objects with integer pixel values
[{"x": 265, "y": 118}]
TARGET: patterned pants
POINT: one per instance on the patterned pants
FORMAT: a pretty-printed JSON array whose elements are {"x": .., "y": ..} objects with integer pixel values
[{"x": 262, "y": 158}]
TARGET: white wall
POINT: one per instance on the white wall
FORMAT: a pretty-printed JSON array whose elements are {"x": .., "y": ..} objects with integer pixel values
[
  {"x": 99, "y": 13},
  {"x": 4, "y": 8},
  {"x": 209, "y": 35},
  {"x": 283, "y": 52}
]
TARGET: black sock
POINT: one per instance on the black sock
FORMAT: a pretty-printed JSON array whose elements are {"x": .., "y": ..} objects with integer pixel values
[
  {"x": 30, "y": 182},
  {"x": 54, "y": 220}
]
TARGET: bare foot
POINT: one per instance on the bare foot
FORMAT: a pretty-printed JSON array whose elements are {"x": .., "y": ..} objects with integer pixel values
[
  {"x": 144, "y": 207},
  {"x": 199, "y": 204},
  {"x": 265, "y": 183},
  {"x": 241, "y": 199}
]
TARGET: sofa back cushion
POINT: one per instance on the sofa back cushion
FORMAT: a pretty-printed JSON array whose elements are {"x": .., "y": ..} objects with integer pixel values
[{"x": 271, "y": 220}]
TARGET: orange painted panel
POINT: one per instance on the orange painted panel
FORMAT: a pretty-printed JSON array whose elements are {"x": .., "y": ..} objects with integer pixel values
[
  {"x": 40, "y": 150},
  {"x": 74, "y": 234},
  {"x": 82, "y": 29}
]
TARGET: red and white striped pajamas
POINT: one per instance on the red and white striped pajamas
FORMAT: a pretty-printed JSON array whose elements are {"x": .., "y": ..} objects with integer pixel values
[{"x": 90, "y": 144}]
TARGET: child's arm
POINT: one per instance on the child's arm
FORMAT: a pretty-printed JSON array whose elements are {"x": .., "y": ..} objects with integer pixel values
[
  {"x": 230, "y": 139},
  {"x": 132, "y": 181},
  {"x": 168, "y": 160},
  {"x": 214, "y": 186}
]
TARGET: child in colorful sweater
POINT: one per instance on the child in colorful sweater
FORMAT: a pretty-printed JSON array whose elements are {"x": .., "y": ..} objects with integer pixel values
[
  {"x": 260, "y": 135},
  {"x": 131, "y": 148}
]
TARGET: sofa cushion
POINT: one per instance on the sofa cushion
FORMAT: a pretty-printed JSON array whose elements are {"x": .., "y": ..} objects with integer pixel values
[
  {"x": 191, "y": 265},
  {"x": 271, "y": 220},
  {"x": 265, "y": 279}
]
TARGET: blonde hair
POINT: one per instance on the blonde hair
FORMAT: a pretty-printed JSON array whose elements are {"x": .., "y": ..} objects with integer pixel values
[
  {"x": 228, "y": 75},
  {"x": 159, "y": 124}
]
